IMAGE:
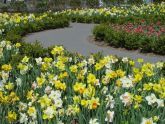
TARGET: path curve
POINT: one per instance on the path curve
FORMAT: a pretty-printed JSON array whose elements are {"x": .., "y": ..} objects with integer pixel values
[{"x": 76, "y": 39}]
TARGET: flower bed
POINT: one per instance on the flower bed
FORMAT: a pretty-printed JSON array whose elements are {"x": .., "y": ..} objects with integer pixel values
[
  {"x": 14, "y": 26},
  {"x": 145, "y": 37},
  {"x": 69, "y": 88},
  {"x": 39, "y": 86},
  {"x": 150, "y": 12}
]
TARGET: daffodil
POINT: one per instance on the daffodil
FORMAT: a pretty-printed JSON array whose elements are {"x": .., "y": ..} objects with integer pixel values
[
  {"x": 11, "y": 116},
  {"x": 93, "y": 103},
  {"x": 6, "y": 67},
  {"x": 32, "y": 111},
  {"x": 147, "y": 121}
]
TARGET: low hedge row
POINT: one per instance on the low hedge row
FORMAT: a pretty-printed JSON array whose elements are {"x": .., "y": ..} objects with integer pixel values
[
  {"x": 130, "y": 41},
  {"x": 95, "y": 18},
  {"x": 34, "y": 49},
  {"x": 49, "y": 22}
]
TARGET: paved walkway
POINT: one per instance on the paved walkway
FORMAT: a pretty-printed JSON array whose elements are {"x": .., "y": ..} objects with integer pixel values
[{"x": 76, "y": 39}]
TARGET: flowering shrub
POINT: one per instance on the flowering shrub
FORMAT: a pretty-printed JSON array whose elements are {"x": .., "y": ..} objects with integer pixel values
[
  {"x": 143, "y": 36},
  {"x": 147, "y": 29}
]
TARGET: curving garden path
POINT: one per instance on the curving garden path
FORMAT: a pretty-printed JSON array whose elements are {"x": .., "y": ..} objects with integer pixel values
[{"x": 76, "y": 38}]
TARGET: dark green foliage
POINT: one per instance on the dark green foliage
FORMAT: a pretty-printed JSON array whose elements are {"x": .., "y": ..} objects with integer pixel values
[
  {"x": 4, "y": 7},
  {"x": 19, "y": 6},
  {"x": 99, "y": 31},
  {"x": 13, "y": 36},
  {"x": 92, "y": 3},
  {"x": 16, "y": 59},
  {"x": 33, "y": 50},
  {"x": 130, "y": 41},
  {"x": 75, "y": 3},
  {"x": 96, "y": 18},
  {"x": 163, "y": 69},
  {"x": 159, "y": 1},
  {"x": 115, "y": 39},
  {"x": 135, "y": 1},
  {"x": 146, "y": 44},
  {"x": 41, "y": 6},
  {"x": 159, "y": 46}
]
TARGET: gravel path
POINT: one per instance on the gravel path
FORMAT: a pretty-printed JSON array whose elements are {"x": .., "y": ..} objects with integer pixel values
[{"x": 76, "y": 39}]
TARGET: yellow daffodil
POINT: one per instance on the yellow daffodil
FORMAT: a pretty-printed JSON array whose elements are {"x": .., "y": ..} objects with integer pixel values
[
  {"x": 6, "y": 67},
  {"x": 93, "y": 103},
  {"x": 11, "y": 116}
]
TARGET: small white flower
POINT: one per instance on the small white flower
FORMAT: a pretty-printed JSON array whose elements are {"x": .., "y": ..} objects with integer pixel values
[
  {"x": 104, "y": 90},
  {"x": 126, "y": 82},
  {"x": 55, "y": 95},
  {"x": 151, "y": 99},
  {"x": 22, "y": 106},
  {"x": 33, "y": 122},
  {"x": 114, "y": 60},
  {"x": 110, "y": 101},
  {"x": 84, "y": 63},
  {"x": 49, "y": 112},
  {"x": 70, "y": 59},
  {"x": 125, "y": 59},
  {"x": 48, "y": 89},
  {"x": 147, "y": 121},
  {"x": 91, "y": 61},
  {"x": 126, "y": 98},
  {"x": 109, "y": 116},
  {"x": 19, "y": 81},
  {"x": 34, "y": 85},
  {"x": 8, "y": 47},
  {"x": 108, "y": 71},
  {"x": 109, "y": 65},
  {"x": 23, "y": 118},
  {"x": 60, "y": 122},
  {"x": 93, "y": 121},
  {"x": 85, "y": 70},
  {"x": 55, "y": 78},
  {"x": 2, "y": 43},
  {"x": 58, "y": 103},
  {"x": 160, "y": 102},
  {"x": 97, "y": 83},
  {"x": 5, "y": 76},
  {"x": 39, "y": 61},
  {"x": 30, "y": 103}
]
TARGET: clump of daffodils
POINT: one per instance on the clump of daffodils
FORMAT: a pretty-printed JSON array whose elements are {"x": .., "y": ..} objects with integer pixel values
[{"x": 69, "y": 88}]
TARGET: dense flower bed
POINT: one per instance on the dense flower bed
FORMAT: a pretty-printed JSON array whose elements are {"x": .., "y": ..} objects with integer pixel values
[
  {"x": 71, "y": 89},
  {"x": 143, "y": 36},
  {"x": 17, "y": 24},
  {"x": 150, "y": 12},
  {"x": 40, "y": 86},
  {"x": 14, "y": 26},
  {"x": 143, "y": 28}
]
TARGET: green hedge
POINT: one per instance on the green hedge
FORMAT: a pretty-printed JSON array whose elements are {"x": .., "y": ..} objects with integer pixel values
[
  {"x": 130, "y": 41},
  {"x": 34, "y": 49},
  {"x": 95, "y": 18}
]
